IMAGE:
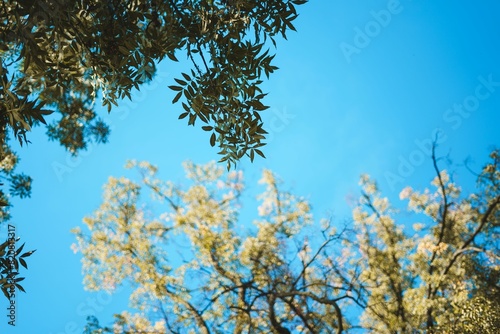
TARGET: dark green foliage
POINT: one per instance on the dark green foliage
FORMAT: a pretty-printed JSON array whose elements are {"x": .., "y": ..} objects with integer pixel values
[
  {"x": 19, "y": 184},
  {"x": 10, "y": 258},
  {"x": 57, "y": 56}
]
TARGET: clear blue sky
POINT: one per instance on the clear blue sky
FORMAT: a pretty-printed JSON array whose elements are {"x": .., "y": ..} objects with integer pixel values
[{"x": 352, "y": 96}]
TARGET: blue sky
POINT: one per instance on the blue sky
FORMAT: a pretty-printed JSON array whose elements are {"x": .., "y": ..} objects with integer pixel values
[{"x": 428, "y": 67}]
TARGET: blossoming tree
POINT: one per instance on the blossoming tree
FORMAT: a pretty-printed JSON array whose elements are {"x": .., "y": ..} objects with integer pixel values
[
  {"x": 441, "y": 277},
  {"x": 196, "y": 268}
]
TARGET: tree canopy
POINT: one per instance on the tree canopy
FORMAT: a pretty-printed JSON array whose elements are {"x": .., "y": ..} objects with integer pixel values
[
  {"x": 58, "y": 56},
  {"x": 196, "y": 267}
]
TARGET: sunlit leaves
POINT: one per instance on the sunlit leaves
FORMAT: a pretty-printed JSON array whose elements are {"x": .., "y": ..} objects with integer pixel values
[
  {"x": 424, "y": 281},
  {"x": 242, "y": 278},
  {"x": 198, "y": 268}
]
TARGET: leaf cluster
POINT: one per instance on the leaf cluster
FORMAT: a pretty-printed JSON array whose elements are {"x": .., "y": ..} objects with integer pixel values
[
  {"x": 58, "y": 56},
  {"x": 19, "y": 184},
  {"x": 10, "y": 258},
  {"x": 196, "y": 268}
]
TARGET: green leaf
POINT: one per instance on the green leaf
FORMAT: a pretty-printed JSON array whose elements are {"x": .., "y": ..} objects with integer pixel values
[
  {"x": 23, "y": 263},
  {"x": 202, "y": 116},
  {"x": 176, "y": 88},
  {"x": 177, "y": 97},
  {"x": 181, "y": 82},
  {"x": 28, "y": 253},
  {"x": 212, "y": 139},
  {"x": 171, "y": 56},
  {"x": 259, "y": 152},
  {"x": 183, "y": 115},
  {"x": 20, "y": 249}
]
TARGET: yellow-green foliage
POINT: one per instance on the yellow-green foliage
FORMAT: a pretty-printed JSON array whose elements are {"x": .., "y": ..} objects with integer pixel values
[{"x": 198, "y": 268}]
